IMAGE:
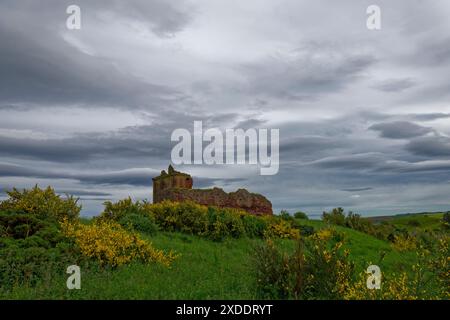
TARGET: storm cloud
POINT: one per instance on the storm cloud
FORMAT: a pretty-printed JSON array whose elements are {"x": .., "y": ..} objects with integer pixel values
[{"x": 400, "y": 129}]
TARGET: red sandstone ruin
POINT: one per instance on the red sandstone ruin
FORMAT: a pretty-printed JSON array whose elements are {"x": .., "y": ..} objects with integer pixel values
[{"x": 177, "y": 186}]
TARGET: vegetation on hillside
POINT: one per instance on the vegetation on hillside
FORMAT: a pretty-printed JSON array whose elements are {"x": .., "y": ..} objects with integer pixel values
[{"x": 187, "y": 251}]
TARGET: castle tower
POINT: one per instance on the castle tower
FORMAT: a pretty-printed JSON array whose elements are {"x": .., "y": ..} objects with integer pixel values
[{"x": 171, "y": 179}]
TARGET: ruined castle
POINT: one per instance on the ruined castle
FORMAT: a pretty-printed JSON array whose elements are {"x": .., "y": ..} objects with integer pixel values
[{"x": 177, "y": 186}]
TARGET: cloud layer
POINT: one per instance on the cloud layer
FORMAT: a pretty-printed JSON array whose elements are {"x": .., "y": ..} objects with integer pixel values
[{"x": 364, "y": 116}]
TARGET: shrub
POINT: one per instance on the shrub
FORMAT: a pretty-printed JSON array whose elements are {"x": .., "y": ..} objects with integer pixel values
[
  {"x": 42, "y": 203},
  {"x": 404, "y": 242},
  {"x": 336, "y": 216},
  {"x": 110, "y": 244},
  {"x": 116, "y": 211},
  {"x": 32, "y": 249},
  {"x": 305, "y": 230},
  {"x": 300, "y": 215},
  {"x": 26, "y": 228},
  {"x": 280, "y": 228},
  {"x": 446, "y": 220},
  {"x": 428, "y": 279},
  {"x": 255, "y": 227},
  {"x": 224, "y": 223},
  {"x": 354, "y": 221},
  {"x": 187, "y": 216},
  {"x": 440, "y": 265},
  {"x": 139, "y": 223},
  {"x": 29, "y": 265},
  {"x": 414, "y": 223},
  {"x": 272, "y": 272},
  {"x": 285, "y": 215},
  {"x": 313, "y": 271}
]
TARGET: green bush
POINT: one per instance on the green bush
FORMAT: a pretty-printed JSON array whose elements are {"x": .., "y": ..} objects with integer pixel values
[
  {"x": 121, "y": 208},
  {"x": 300, "y": 215},
  {"x": 255, "y": 227},
  {"x": 223, "y": 223},
  {"x": 139, "y": 223},
  {"x": 336, "y": 216},
  {"x": 446, "y": 220},
  {"x": 42, "y": 203},
  {"x": 305, "y": 230},
  {"x": 272, "y": 272},
  {"x": 414, "y": 223},
  {"x": 317, "y": 269},
  {"x": 22, "y": 226},
  {"x": 285, "y": 215},
  {"x": 32, "y": 249},
  {"x": 187, "y": 216},
  {"x": 211, "y": 222},
  {"x": 354, "y": 221}
]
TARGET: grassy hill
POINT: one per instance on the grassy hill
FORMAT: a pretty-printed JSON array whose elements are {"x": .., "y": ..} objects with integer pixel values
[
  {"x": 205, "y": 270},
  {"x": 170, "y": 250}
]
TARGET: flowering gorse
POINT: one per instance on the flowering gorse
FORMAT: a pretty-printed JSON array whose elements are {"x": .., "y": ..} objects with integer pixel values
[{"x": 111, "y": 244}]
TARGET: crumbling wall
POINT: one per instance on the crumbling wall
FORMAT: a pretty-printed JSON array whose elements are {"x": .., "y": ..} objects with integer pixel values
[{"x": 241, "y": 199}]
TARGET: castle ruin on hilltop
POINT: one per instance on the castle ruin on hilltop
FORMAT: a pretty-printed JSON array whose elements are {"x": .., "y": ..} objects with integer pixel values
[{"x": 177, "y": 186}]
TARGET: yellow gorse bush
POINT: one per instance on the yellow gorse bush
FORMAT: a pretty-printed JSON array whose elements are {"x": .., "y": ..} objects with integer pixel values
[
  {"x": 112, "y": 245},
  {"x": 324, "y": 234},
  {"x": 404, "y": 243},
  {"x": 41, "y": 202},
  {"x": 212, "y": 222},
  {"x": 281, "y": 229}
]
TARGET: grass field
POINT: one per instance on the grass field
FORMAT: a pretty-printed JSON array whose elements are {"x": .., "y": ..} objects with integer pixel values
[{"x": 208, "y": 269}]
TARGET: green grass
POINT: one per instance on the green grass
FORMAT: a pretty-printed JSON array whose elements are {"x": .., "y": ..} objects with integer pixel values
[
  {"x": 206, "y": 269},
  {"x": 365, "y": 249},
  {"x": 432, "y": 221}
]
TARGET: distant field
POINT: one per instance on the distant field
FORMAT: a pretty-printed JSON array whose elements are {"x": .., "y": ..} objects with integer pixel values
[{"x": 410, "y": 221}]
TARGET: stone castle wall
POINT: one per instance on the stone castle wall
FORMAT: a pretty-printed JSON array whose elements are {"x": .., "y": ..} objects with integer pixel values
[
  {"x": 177, "y": 186},
  {"x": 241, "y": 199}
]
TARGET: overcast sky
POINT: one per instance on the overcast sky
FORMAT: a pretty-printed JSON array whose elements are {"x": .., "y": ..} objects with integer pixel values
[{"x": 364, "y": 116}]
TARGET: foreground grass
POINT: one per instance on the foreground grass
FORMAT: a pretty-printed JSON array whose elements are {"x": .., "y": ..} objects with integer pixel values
[{"x": 204, "y": 270}]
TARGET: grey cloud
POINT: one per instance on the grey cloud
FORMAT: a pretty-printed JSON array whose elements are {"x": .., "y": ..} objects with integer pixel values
[
  {"x": 250, "y": 123},
  {"x": 309, "y": 144},
  {"x": 33, "y": 74},
  {"x": 83, "y": 193},
  {"x": 142, "y": 142},
  {"x": 432, "y": 52},
  {"x": 357, "y": 189},
  {"x": 81, "y": 148},
  {"x": 203, "y": 182},
  {"x": 400, "y": 129},
  {"x": 395, "y": 85},
  {"x": 304, "y": 78},
  {"x": 380, "y": 164},
  {"x": 429, "y": 116},
  {"x": 352, "y": 162},
  {"x": 163, "y": 17},
  {"x": 39, "y": 67},
  {"x": 439, "y": 167},
  {"x": 135, "y": 177},
  {"x": 73, "y": 192},
  {"x": 430, "y": 146}
]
